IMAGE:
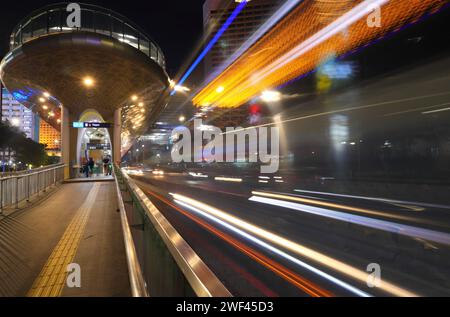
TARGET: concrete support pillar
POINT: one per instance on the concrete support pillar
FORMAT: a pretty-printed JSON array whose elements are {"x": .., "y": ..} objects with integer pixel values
[
  {"x": 65, "y": 141},
  {"x": 117, "y": 156}
]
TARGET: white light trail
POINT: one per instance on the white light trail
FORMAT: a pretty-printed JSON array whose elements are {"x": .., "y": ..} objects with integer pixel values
[
  {"x": 228, "y": 179},
  {"x": 386, "y": 200},
  {"x": 315, "y": 256},
  {"x": 267, "y": 246},
  {"x": 410, "y": 231},
  {"x": 339, "y": 25},
  {"x": 263, "y": 29}
]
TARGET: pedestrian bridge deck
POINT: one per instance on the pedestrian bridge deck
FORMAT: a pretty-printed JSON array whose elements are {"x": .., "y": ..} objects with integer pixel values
[{"x": 78, "y": 224}]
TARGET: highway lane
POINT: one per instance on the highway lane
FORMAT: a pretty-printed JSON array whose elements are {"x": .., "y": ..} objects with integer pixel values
[{"x": 302, "y": 253}]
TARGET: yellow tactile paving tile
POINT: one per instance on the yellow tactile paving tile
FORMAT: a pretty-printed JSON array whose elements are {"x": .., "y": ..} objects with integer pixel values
[{"x": 51, "y": 280}]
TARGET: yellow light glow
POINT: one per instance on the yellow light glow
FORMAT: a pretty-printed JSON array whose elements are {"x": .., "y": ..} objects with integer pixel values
[
  {"x": 88, "y": 81},
  {"x": 134, "y": 97},
  {"x": 300, "y": 42}
]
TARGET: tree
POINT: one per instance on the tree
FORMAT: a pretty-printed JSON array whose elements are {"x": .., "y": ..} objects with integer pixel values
[{"x": 26, "y": 150}]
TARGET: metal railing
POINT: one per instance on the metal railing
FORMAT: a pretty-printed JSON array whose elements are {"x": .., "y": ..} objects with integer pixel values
[
  {"x": 53, "y": 19},
  {"x": 17, "y": 189},
  {"x": 167, "y": 265}
]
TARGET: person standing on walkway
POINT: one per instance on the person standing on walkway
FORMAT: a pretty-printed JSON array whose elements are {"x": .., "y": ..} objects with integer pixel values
[
  {"x": 91, "y": 164},
  {"x": 106, "y": 163}
]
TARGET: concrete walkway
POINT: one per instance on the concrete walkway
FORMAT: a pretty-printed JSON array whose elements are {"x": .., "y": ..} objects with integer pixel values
[{"x": 77, "y": 225}]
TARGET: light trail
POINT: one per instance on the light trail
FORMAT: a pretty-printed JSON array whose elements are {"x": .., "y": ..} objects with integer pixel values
[
  {"x": 386, "y": 200},
  {"x": 211, "y": 44},
  {"x": 235, "y": 224},
  {"x": 332, "y": 205},
  {"x": 303, "y": 284},
  {"x": 263, "y": 29},
  {"x": 342, "y": 23},
  {"x": 436, "y": 111},
  {"x": 324, "y": 275},
  {"x": 328, "y": 113},
  {"x": 229, "y": 179},
  {"x": 405, "y": 230},
  {"x": 301, "y": 41}
]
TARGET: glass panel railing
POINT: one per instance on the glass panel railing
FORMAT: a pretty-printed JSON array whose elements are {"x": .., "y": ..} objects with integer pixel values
[{"x": 53, "y": 19}]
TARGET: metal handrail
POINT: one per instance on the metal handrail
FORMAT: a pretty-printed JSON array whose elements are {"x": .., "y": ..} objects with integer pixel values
[
  {"x": 201, "y": 279},
  {"x": 27, "y": 172},
  {"x": 129, "y": 32},
  {"x": 137, "y": 282},
  {"x": 16, "y": 189}
]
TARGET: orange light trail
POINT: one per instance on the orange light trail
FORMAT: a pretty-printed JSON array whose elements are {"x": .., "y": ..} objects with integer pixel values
[
  {"x": 308, "y": 36},
  {"x": 303, "y": 284}
]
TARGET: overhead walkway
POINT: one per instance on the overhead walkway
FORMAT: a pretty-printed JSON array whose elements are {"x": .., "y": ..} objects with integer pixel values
[{"x": 78, "y": 224}]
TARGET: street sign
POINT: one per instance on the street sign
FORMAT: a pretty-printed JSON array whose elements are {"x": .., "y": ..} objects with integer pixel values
[
  {"x": 91, "y": 125},
  {"x": 97, "y": 146}
]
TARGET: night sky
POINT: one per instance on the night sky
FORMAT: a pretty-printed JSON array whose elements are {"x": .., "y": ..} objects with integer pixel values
[{"x": 175, "y": 25}]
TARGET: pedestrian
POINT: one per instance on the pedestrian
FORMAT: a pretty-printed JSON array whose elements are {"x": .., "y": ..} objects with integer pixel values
[
  {"x": 106, "y": 163},
  {"x": 91, "y": 164}
]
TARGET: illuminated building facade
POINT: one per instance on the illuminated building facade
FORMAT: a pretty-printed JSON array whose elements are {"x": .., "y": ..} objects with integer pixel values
[
  {"x": 50, "y": 137},
  {"x": 19, "y": 116},
  {"x": 215, "y": 14}
]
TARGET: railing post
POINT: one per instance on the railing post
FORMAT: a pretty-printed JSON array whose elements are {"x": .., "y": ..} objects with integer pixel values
[
  {"x": 28, "y": 188},
  {"x": 1, "y": 196},
  {"x": 38, "y": 189},
  {"x": 45, "y": 183},
  {"x": 17, "y": 192}
]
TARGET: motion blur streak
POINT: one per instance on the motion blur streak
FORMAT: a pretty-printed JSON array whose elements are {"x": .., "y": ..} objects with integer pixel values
[
  {"x": 375, "y": 199},
  {"x": 414, "y": 232},
  {"x": 274, "y": 19},
  {"x": 333, "y": 205},
  {"x": 305, "y": 285},
  {"x": 227, "y": 179},
  {"x": 276, "y": 251},
  {"x": 290, "y": 245},
  {"x": 210, "y": 45},
  {"x": 300, "y": 42},
  {"x": 327, "y": 113}
]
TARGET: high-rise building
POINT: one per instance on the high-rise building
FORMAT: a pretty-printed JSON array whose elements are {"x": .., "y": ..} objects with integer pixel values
[
  {"x": 19, "y": 116},
  {"x": 51, "y": 138},
  {"x": 215, "y": 14}
]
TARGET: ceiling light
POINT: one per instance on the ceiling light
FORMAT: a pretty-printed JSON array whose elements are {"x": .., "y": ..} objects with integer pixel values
[{"x": 88, "y": 82}]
